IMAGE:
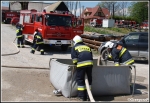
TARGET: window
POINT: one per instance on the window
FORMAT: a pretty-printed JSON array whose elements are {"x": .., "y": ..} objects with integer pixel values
[
  {"x": 144, "y": 38},
  {"x": 132, "y": 38},
  {"x": 27, "y": 18},
  {"x": 32, "y": 18},
  {"x": 38, "y": 18},
  {"x": 58, "y": 20},
  {"x": 99, "y": 13}
]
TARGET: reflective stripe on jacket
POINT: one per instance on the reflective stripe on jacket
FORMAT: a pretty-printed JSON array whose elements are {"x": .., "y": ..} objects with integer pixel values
[
  {"x": 81, "y": 55},
  {"x": 38, "y": 38},
  {"x": 19, "y": 32},
  {"x": 121, "y": 55}
]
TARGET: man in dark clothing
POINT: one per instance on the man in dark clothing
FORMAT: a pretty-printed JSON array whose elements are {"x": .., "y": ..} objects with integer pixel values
[
  {"x": 38, "y": 42},
  {"x": 19, "y": 36},
  {"x": 119, "y": 54},
  {"x": 83, "y": 59}
]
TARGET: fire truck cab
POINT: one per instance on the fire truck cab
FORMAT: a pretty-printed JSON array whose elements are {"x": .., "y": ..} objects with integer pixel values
[
  {"x": 56, "y": 28},
  {"x": 8, "y": 15}
]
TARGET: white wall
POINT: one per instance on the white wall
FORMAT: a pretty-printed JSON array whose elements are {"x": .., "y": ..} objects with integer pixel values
[{"x": 32, "y": 5}]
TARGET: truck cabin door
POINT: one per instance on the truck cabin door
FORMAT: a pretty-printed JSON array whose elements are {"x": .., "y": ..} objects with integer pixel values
[
  {"x": 78, "y": 26},
  {"x": 28, "y": 23}
]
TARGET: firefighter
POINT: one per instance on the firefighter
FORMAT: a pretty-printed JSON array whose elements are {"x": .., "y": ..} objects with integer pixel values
[
  {"x": 83, "y": 59},
  {"x": 38, "y": 42},
  {"x": 19, "y": 35},
  {"x": 119, "y": 54}
]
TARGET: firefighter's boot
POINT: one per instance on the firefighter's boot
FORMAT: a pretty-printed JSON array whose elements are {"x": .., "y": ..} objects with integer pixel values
[
  {"x": 18, "y": 46},
  {"x": 82, "y": 98},
  {"x": 32, "y": 51},
  {"x": 22, "y": 46},
  {"x": 42, "y": 53}
]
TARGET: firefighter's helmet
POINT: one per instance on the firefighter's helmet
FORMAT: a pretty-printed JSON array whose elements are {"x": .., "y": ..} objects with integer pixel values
[
  {"x": 77, "y": 39},
  {"x": 109, "y": 44}
]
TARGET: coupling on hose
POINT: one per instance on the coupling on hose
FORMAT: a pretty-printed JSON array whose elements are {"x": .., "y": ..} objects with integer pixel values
[{"x": 56, "y": 92}]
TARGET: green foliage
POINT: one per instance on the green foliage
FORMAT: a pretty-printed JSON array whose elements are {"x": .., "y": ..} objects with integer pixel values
[
  {"x": 105, "y": 30},
  {"x": 139, "y": 11}
]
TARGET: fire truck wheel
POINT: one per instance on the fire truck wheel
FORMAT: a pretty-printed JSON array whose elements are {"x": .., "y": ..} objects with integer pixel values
[{"x": 64, "y": 47}]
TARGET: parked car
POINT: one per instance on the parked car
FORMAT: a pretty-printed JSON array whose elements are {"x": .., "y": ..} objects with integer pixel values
[
  {"x": 135, "y": 42},
  {"x": 15, "y": 20}
]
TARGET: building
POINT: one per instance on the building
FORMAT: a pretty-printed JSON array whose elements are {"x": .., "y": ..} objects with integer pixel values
[
  {"x": 58, "y": 6},
  {"x": 39, "y": 6},
  {"x": 94, "y": 13},
  {"x": 16, "y": 7}
]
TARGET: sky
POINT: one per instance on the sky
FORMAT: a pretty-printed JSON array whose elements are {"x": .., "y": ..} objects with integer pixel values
[{"x": 83, "y": 3}]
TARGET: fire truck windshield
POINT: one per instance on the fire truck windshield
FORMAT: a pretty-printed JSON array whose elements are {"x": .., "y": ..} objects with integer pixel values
[{"x": 58, "y": 20}]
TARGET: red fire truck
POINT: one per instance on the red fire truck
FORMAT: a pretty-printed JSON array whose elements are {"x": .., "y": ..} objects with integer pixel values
[
  {"x": 8, "y": 15},
  {"x": 144, "y": 25},
  {"x": 56, "y": 28},
  {"x": 96, "y": 22},
  {"x": 125, "y": 23}
]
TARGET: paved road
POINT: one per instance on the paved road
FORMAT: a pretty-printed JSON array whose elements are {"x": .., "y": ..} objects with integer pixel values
[{"x": 29, "y": 84}]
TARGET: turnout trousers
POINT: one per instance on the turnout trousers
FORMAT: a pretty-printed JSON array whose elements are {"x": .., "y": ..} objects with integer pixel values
[
  {"x": 80, "y": 79},
  {"x": 20, "y": 41},
  {"x": 40, "y": 47}
]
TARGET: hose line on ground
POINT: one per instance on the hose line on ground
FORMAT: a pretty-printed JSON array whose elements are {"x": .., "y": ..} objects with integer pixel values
[
  {"x": 9, "y": 66},
  {"x": 12, "y": 53},
  {"x": 25, "y": 67}
]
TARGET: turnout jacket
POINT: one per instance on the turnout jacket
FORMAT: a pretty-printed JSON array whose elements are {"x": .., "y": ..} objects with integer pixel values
[
  {"x": 38, "y": 39},
  {"x": 81, "y": 55},
  {"x": 121, "y": 55},
  {"x": 19, "y": 32}
]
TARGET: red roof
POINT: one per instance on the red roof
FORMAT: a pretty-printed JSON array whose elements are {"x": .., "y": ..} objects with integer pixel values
[
  {"x": 106, "y": 12},
  {"x": 93, "y": 12},
  {"x": 5, "y": 8}
]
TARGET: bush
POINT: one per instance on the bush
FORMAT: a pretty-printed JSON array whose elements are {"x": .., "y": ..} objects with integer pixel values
[{"x": 106, "y": 30}]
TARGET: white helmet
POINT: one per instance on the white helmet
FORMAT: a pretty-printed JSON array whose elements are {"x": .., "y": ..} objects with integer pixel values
[
  {"x": 109, "y": 44},
  {"x": 77, "y": 39}
]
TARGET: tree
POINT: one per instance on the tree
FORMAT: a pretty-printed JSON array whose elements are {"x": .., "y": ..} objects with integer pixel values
[
  {"x": 111, "y": 6},
  {"x": 123, "y": 5},
  {"x": 24, "y": 5},
  {"x": 139, "y": 11}
]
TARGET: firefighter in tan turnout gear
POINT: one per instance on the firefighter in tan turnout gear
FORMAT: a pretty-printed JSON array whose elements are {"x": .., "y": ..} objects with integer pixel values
[{"x": 83, "y": 59}]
